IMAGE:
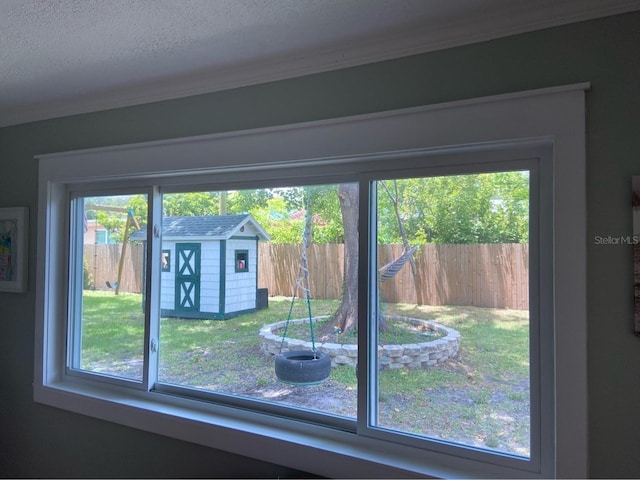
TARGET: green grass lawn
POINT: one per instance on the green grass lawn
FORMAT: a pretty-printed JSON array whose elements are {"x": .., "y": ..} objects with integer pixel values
[{"x": 479, "y": 398}]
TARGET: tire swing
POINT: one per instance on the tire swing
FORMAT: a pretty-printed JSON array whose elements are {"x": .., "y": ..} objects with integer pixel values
[{"x": 302, "y": 367}]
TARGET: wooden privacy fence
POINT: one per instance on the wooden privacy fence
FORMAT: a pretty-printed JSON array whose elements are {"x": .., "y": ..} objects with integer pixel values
[
  {"x": 481, "y": 275},
  {"x": 101, "y": 263}
]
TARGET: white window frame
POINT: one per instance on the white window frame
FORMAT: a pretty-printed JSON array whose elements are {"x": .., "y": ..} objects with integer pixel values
[
  {"x": 554, "y": 117},
  {"x": 535, "y": 158}
]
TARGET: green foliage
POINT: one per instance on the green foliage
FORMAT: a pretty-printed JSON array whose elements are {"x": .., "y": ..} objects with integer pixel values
[
  {"x": 243, "y": 201},
  {"x": 139, "y": 205},
  {"x": 191, "y": 204},
  {"x": 88, "y": 282},
  {"x": 474, "y": 208},
  {"x": 274, "y": 218},
  {"x": 274, "y": 210},
  {"x": 114, "y": 224},
  {"x": 178, "y": 204},
  {"x": 325, "y": 207},
  {"x": 115, "y": 221}
]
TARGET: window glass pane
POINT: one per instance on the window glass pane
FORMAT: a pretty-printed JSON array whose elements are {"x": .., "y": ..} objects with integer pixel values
[
  {"x": 242, "y": 261},
  {"x": 246, "y": 265},
  {"x": 107, "y": 318},
  {"x": 166, "y": 261},
  {"x": 453, "y": 309}
]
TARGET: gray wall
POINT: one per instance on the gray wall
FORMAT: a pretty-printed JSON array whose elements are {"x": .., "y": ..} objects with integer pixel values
[{"x": 41, "y": 441}]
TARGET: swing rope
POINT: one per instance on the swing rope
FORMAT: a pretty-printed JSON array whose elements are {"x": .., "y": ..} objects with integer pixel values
[{"x": 302, "y": 282}]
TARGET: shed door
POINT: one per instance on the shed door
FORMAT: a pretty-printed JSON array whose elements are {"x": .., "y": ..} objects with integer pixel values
[{"x": 187, "y": 277}]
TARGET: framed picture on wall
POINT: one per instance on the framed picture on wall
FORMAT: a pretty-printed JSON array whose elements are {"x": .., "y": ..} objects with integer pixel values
[
  {"x": 13, "y": 249},
  {"x": 636, "y": 252}
]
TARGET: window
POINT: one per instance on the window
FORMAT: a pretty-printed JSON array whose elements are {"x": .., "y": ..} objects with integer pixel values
[
  {"x": 242, "y": 261},
  {"x": 457, "y": 368},
  {"x": 166, "y": 260},
  {"x": 99, "y": 345},
  {"x": 430, "y": 374}
]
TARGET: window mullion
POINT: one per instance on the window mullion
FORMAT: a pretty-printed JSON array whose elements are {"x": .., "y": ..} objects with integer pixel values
[
  {"x": 75, "y": 283},
  {"x": 153, "y": 262},
  {"x": 366, "y": 266}
]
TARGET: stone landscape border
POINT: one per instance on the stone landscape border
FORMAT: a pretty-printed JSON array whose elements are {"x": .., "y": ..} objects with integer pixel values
[{"x": 409, "y": 355}]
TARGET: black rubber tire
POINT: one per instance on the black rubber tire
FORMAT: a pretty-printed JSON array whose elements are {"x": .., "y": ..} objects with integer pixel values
[{"x": 303, "y": 367}]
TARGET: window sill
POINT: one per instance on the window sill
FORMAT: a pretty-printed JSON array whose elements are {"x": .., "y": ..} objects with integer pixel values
[{"x": 295, "y": 444}]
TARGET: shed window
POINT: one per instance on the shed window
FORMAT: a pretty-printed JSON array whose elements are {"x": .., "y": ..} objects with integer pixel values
[
  {"x": 166, "y": 260},
  {"x": 242, "y": 260}
]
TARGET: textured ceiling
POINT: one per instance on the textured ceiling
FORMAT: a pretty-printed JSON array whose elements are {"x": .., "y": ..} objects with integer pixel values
[{"x": 60, "y": 57}]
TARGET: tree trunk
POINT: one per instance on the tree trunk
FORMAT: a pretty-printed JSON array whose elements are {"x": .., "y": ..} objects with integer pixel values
[
  {"x": 417, "y": 278},
  {"x": 309, "y": 221},
  {"x": 347, "y": 314}
]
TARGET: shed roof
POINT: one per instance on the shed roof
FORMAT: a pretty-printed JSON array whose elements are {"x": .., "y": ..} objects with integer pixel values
[{"x": 212, "y": 227}]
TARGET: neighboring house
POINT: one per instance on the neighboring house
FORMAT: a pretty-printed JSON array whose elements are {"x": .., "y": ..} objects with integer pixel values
[
  {"x": 96, "y": 234},
  {"x": 300, "y": 214},
  {"x": 209, "y": 265}
]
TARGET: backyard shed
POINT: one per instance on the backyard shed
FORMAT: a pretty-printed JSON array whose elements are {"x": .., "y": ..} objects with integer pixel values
[{"x": 209, "y": 265}]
